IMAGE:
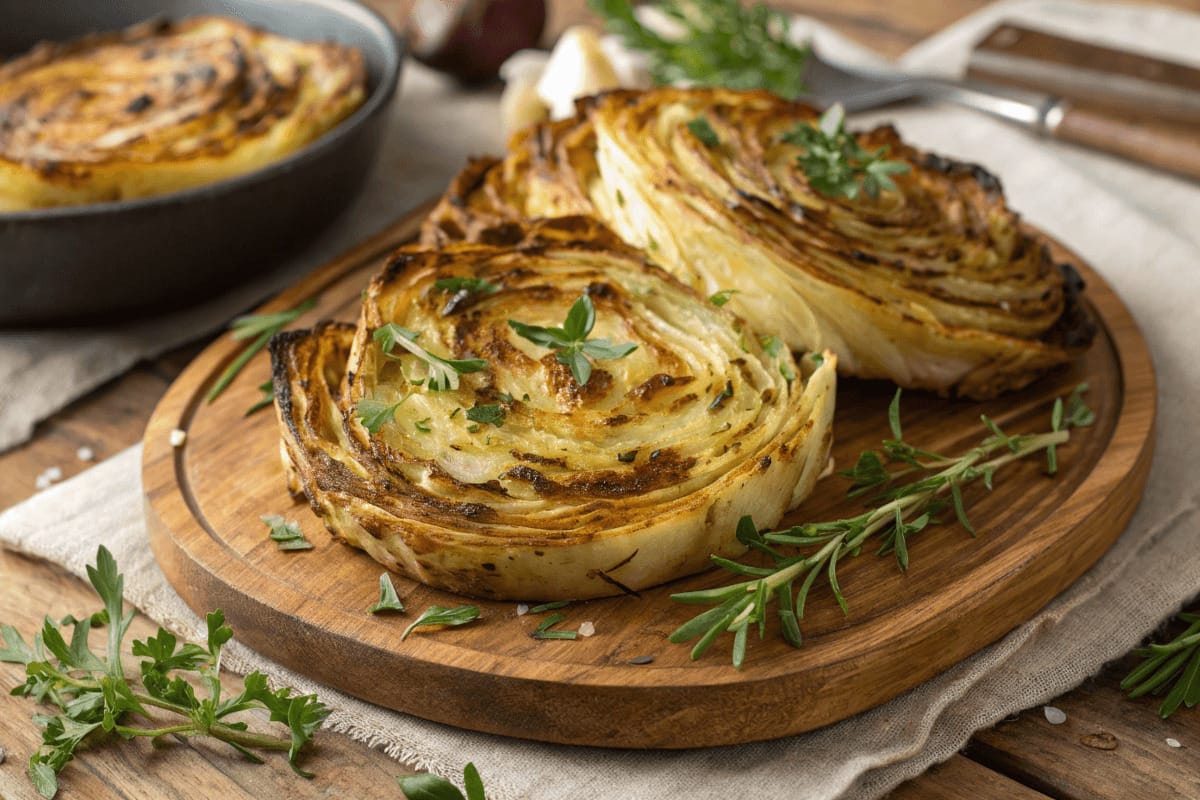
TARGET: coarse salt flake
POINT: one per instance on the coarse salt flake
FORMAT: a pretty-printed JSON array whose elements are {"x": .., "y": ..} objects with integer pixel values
[
  {"x": 1173, "y": 742},
  {"x": 587, "y": 629},
  {"x": 522, "y": 609},
  {"x": 54, "y": 473},
  {"x": 178, "y": 437},
  {"x": 42, "y": 482},
  {"x": 85, "y": 454},
  {"x": 1055, "y": 716}
]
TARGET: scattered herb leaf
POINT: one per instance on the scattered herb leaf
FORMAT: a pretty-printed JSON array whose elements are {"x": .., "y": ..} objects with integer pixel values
[
  {"x": 374, "y": 414},
  {"x": 286, "y": 534},
  {"x": 722, "y": 297},
  {"x": 492, "y": 414},
  {"x": 388, "y": 599},
  {"x": 422, "y": 425},
  {"x": 268, "y": 398},
  {"x": 703, "y": 130},
  {"x": 724, "y": 395},
  {"x": 460, "y": 284},
  {"x": 437, "y": 615}
]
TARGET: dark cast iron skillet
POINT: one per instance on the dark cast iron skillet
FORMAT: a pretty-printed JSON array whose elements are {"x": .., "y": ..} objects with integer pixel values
[{"x": 107, "y": 261}]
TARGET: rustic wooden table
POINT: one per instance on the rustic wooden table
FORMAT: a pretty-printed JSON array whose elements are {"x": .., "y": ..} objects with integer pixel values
[{"x": 1022, "y": 758}]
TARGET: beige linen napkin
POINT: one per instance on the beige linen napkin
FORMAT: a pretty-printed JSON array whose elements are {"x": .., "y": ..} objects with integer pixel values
[{"x": 1152, "y": 569}]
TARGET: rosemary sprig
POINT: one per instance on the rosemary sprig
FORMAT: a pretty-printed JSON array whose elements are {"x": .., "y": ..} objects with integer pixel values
[
  {"x": 96, "y": 702},
  {"x": 1178, "y": 661},
  {"x": 260, "y": 328},
  {"x": 836, "y": 164},
  {"x": 719, "y": 43},
  {"x": 903, "y": 509}
]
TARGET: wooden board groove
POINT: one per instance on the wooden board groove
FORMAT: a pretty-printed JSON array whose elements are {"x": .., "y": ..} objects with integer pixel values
[{"x": 307, "y": 610}]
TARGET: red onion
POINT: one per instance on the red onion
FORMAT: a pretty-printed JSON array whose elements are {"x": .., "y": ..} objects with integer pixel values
[{"x": 470, "y": 39}]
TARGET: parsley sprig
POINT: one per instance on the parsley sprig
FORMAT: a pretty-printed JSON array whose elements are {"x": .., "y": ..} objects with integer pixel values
[
  {"x": 836, "y": 164},
  {"x": 570, "y": 343},
  {"x": 96, "y": 702},
  {"x": 903, "y": 509},
  {"x": 426, "y": 786},
  {"x": 1178, "y": 661},
  {"x": 721, "y": 43},
  {"x": 441, "y": 373}
]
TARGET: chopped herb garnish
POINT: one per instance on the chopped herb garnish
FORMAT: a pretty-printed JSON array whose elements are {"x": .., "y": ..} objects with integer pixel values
[
  {"x": 720, "y": 43},
  {"x": 505, "y": 398},
  {"x": 620, "y": 199},
  {"x": 817, "y": 358},
  {"x": 437, "y": 615},
  {"x": 703, "y": 131},
  {"x": 720, "y": 399},
  {"x": 374, "y": 414},
  {"x": 442, "y": 373},
  {"x": 473, "y": 428},
  {"x": 525, "y": 397},
  {"x": 722, "y": 297},
  {"x": 260, "y": 328},
  {"x": 543, "y": 631},
  {"x": 92, "y": 696},
  {"x": 268, "y": 398},
  {"x": 422, "y": 425},
  {"x": 834, "y": 162},
  {"x": 772, "y": 345},
  {"x": 492, "y": 414},
  {"x": 455, "y": 413},
  {"x": 570, "y": 343},
  {"x": 466, "y": 284},
  {"x": 287, "y": 534},
  {"x": 388, "y": 599}
]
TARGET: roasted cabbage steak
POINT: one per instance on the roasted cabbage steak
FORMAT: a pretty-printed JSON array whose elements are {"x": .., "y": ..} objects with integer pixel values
[
  {"x": 935, "y": 285},
  {"x": 521, "y": 482}
]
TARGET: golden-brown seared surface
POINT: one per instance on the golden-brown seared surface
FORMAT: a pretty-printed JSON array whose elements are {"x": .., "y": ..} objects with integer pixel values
[
  {"x": 935, "y": 285},
  {"x": 630, "y": 480},
  {"x": 160, "y": 107}
]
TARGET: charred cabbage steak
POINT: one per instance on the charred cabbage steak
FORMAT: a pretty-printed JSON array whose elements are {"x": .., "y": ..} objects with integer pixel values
[
  {"x": 455, "y": 435},
  {"x": 925, "y": 277}
]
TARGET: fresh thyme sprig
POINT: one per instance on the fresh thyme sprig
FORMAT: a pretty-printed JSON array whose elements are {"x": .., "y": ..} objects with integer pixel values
[
  {"x": 96, "y": 701},
  {"x": 720, "y": 43},
  {"x": 904, "y": 509},
  {"x": 836, "y": 164},
  {"x": 426, "y": 786},
  {"x": 441, "y": 373},
  {"x": 260, "y": 328},
  {"x": 570, "y": 343},
  {"x": 1178, "y": 661}
]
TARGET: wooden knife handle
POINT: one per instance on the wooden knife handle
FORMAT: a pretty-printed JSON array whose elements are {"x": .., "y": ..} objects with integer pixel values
[{"x": 1174, "y": 147}]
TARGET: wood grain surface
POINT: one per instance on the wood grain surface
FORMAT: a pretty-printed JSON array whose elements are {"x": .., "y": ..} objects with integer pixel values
[
  {"x": 114, "y": 416},
  {"x": 1036, "y": 536}
]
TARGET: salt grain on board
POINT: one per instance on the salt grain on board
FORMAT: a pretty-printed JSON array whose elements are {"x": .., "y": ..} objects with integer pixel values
[
  {"x": 1173, "y": 742},
  {"x": 178, "y": 437},
  {"x": 85, "y": 454},
  {"x": 587, "y": 629},
  {"x": 1055, "y": 716},
  {"x": 522, "y": 610}
]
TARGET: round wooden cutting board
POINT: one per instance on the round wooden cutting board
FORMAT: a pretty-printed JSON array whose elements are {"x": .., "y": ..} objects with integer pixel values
[{"x": 308, "y": 610}]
